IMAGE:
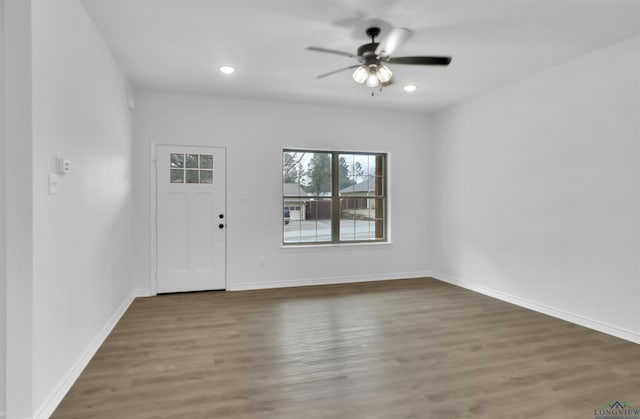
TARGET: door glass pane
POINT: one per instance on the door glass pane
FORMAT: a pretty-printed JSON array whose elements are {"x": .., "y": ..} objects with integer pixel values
[
  {"x": 192, "y": 161},
  {"x": 177, "y": 160},
  {"x": 177, "y": 176},
  {"x": 206, "y": 176},
  {"x": 192, "y": 176},
  {"x": 206, "y": 161}
]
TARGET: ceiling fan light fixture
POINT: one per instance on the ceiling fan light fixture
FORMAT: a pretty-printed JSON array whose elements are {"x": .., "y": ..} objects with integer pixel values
[
  {"x": 384, "y": 74},
  {"x": 361, "y": 74},
  {"x": 372, "y": 80}
]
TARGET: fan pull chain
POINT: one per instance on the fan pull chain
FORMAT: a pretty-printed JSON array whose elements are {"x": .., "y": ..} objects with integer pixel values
[{"x": 373, "y": 93}]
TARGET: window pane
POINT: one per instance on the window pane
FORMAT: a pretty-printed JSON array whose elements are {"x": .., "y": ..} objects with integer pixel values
[
  {"x": 292, "y": 231},
  {"x": 371, "y": 165},
  {"x": 376, "y": 206},
  {"x": 361, "y": 219},
  {"x": 358, "y": 177},
  {"x": 206, "y": 176},
  {"x": 206, "y": 161},
  {"x": 345, "y": 165},
  {"x": 307, "y": 221},
  {"x": 177, "y": 160},
  {"x": 318, "y": 210},
  {"x": 317, "y": 177},
  {"x": 192, "y": 176},
  {"x": 294, "y": 165},
  {"x": 192, "y": 161},
  {"x": 177, "y": 176}
]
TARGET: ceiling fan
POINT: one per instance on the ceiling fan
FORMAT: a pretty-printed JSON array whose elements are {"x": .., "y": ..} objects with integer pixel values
[{"x": 373, "y": 57}]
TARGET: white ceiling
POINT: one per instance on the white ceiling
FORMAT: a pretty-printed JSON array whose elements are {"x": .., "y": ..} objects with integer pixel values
[{"x": 178, "y": 45}]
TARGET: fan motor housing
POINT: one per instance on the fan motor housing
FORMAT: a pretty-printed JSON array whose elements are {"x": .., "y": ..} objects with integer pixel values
[{"x": 368, "y": 49}]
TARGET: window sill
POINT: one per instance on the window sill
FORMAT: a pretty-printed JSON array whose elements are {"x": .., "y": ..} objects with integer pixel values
[{"x": 332, "y": 246}]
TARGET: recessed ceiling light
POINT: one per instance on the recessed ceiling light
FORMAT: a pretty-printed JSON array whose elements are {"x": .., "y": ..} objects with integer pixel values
[
  {"x": 410, "y": 88},
  {"x": 226, "y": 69}
]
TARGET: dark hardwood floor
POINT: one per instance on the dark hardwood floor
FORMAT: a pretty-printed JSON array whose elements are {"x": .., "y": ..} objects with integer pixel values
[{"x": 397, "y": 349}]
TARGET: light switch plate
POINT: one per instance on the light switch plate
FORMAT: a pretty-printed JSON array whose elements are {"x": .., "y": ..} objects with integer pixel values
[{"x": 53, "y": 184}]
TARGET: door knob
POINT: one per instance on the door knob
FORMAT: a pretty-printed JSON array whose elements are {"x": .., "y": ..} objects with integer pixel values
[{"x": 220, "y": 225}]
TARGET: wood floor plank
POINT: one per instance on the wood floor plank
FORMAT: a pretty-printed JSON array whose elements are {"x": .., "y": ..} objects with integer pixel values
[{"x": 395, "y": 349}]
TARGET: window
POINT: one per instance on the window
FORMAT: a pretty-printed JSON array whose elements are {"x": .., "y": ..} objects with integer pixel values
[{"x": 333, "y": 197}]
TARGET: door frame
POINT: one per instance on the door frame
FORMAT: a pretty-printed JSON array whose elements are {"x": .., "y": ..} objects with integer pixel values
[{"x": 153, "y": 216}]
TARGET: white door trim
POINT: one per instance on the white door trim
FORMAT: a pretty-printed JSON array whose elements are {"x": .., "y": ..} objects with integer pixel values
[{"x": 153, "y": 243}]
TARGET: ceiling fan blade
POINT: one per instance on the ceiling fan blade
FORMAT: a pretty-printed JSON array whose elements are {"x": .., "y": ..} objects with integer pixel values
[
  {"x": 338, "y": 71},
  {"x": 420, "y": 60},
  {"x": 331, "y": 51},
  {"x": 392, "y": 41}
]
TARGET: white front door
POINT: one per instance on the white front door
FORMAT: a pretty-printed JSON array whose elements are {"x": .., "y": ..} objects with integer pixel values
[{"x": 191, "y": 218}]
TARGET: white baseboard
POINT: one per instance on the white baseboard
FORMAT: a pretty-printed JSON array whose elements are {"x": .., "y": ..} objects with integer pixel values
[
  {"x": 542, "y": 308},
  {"x": 65, "y": 384},
  {"x": 143, "y": 292},
  {"x": 325, "y": 281}
]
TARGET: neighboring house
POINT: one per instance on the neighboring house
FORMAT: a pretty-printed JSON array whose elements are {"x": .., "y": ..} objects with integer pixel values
[
  {"x": 355, "y": 194},
  {"x": 296, "y": 206},
  {"x": 300, "y": 207}
]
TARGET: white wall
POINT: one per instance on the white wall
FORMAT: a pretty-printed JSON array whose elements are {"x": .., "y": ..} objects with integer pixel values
[
  {"x": 82, "y": 248},
  {"x": 255, "y": 133},
  {"x": 3, "y": 224},
  {"x": 19, "y": 205},
  {"x": 535, "y": 191}
]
